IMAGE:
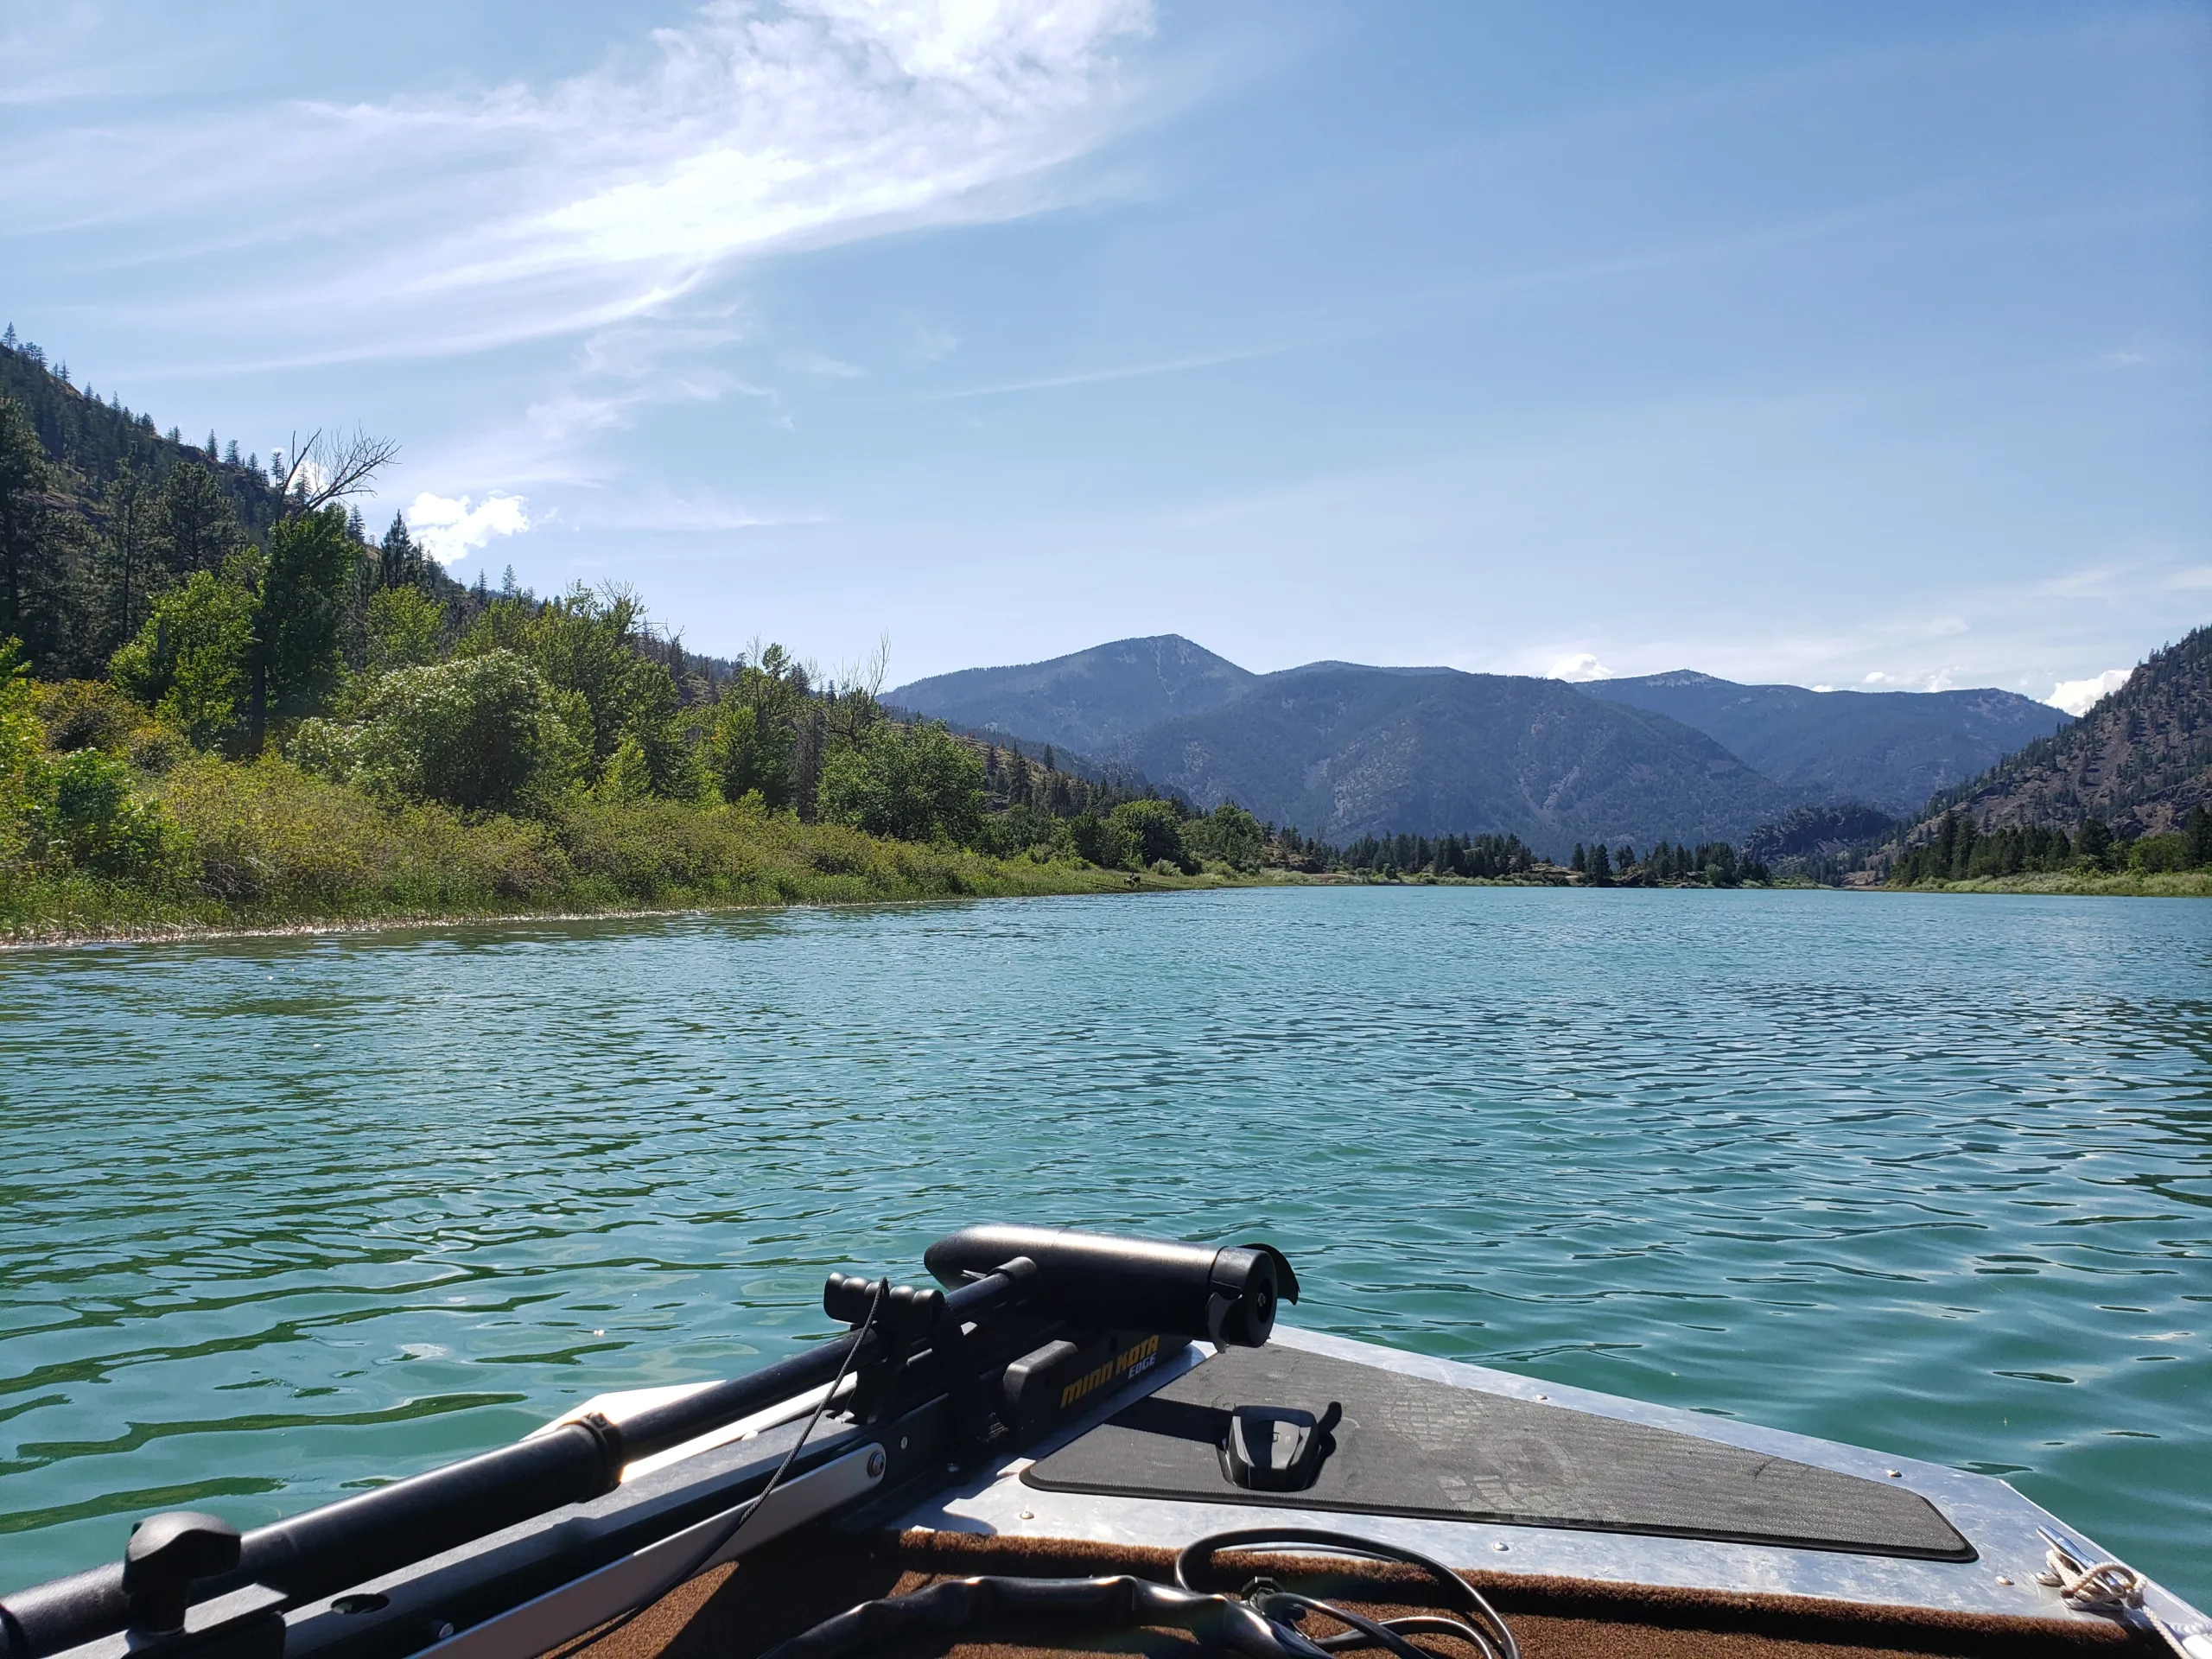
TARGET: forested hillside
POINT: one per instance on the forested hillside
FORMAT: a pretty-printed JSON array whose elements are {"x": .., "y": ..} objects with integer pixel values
[
  {"x": 1345, "y": 751},
  {"x": 1890, "y": 749},
  {"x": 2127, "y": 785}
]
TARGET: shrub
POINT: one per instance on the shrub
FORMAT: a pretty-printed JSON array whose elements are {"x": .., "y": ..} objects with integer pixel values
[
  {"x": 98, "y": 821},
  {"x": 86, "y": 715},
  {"x": 479, "y": 733},
  {"x": 916, "y": 783},
  {"x": 189, "y": 662},
  {"x": 269, "y": 834},
  {"x": 1099, "y": 841},
  {"x": 2155, "y": 854},
  {"x": 21, "y": 779},
  {"x": 1155, "y": 833},
  {"x": 1229, "y": 834},
  {"x": 404, "y": 627}
]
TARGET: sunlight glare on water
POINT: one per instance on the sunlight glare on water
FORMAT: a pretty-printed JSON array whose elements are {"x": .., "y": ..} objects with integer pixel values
[{"x": 287, "y": 1218}]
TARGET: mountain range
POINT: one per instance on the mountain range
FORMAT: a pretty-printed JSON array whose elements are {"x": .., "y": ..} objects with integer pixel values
[
  {"x": 1890, "y": 749},
  {"x": 1342, "y": 750}
]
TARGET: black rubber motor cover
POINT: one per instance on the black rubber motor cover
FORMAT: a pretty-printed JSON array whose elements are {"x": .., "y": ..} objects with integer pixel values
[{"x": 1225, "y": 1295}]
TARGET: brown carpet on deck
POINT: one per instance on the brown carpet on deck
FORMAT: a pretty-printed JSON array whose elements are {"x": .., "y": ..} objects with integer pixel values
[{"x": 789, "y": 1586}]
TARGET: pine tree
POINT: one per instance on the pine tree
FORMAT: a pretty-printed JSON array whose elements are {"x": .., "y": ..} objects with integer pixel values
[
  {"x": 7, "y": 340},
  {"x": 212, "y": 453},
  {"x": 399, "y": 562},
  {"x": 1579, "y": 863},
  {"x": 2200, "y": 837},
  {"x": 1601, "y": 865}
]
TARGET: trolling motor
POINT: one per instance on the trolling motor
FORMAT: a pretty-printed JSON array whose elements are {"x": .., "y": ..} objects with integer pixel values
[{"x": 1028, "y": 1327}]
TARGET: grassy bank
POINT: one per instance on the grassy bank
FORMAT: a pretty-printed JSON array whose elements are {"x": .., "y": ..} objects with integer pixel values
[
  {"x": 2126, "y": 884},
  {"x": 268, "y": 846}
]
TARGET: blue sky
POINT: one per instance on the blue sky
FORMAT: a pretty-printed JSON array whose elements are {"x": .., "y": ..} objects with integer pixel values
[{"x": 1853, "y": 346}]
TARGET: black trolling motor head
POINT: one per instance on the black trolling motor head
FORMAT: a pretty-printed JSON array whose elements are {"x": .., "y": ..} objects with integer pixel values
[{"x": 1225, "y": 1296}]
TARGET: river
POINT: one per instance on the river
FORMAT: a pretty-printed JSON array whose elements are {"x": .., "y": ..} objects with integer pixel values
[{"x": 280, "y": 1218}]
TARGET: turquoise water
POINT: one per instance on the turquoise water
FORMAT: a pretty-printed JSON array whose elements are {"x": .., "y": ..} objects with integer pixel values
[{"x": 282, "y": 1218}]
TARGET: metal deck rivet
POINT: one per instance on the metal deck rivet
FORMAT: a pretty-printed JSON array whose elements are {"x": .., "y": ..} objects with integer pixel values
[
  {"x": 1894, "y": 1474},
  {"x": 2001, "y": 1578},
  {"x": 1543, "y": 1397},
  {"x": 1500, "y": 1547},
  {"x": 1026, "y": 1515}
]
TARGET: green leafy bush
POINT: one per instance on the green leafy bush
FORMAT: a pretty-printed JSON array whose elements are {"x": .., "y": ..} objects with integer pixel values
[
  {"x": 1228, "y": 833},
  {"x": 86, "y": 715},
  {"x": 96, "y": 819},
  {"x": 479, "y": 733},
  {"x": 190, "y": 662},
  {"x": 917, "y": 783},
  {"x": 270, "y": 836},
  {"x": 1155, "y": 833},
  {"x": 404, "y": 625},
  {"x": 1099, "y": 841}
]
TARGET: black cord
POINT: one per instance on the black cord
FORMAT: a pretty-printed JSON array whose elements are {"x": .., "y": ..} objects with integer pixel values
[
  {"x": 728, "y": 1534},
  {"x": 1259, "y": 1623},
  {"x": 1492, "y": 1639}
]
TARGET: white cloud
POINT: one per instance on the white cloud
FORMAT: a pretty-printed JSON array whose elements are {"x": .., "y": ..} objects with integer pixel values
[
  {"x": 448, "y": 528},
  {"x": 1935, "y": 679},
  {"x": 524, "y": 210},
  {"x": 1579, "y": 667},
  {"x": 2079, "y": 696},
  {"x": 2199, "y": 576}
]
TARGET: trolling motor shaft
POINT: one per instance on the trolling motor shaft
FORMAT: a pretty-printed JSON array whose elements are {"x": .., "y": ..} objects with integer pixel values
[{"x": 1003, "y": 1285}]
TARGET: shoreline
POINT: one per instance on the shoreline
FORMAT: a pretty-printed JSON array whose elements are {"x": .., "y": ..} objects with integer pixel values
[
  {"x": 1108, "y": 884},
  {"x": 1095, "y": 884}
]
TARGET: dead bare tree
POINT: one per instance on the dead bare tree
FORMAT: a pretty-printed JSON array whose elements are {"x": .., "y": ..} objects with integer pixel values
[{"x": 330, "y": 467}]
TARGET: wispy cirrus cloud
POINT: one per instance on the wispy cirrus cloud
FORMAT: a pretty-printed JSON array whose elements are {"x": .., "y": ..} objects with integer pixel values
[{"x": 432, "y": 223}]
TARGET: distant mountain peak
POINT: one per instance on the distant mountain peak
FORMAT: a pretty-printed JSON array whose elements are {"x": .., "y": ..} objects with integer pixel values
[
  {"x": 1089, "y": 701},
  {"x": 1673, "y": 677}
]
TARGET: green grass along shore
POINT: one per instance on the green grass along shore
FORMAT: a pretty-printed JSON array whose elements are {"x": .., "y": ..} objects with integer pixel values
[
  {"x": 2123, "y": 884},
  {"x": 267, "y": 847}
]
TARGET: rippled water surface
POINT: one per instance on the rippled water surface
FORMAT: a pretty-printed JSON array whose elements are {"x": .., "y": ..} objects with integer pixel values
[{"x": 278, "y": 1218}]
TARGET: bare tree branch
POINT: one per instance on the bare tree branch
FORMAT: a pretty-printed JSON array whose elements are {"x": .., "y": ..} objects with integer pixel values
[{"x": 330, "y": 467}]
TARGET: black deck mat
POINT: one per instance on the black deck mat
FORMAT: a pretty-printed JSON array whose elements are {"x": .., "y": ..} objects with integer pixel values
[{"x": 1410, "y": 1446}]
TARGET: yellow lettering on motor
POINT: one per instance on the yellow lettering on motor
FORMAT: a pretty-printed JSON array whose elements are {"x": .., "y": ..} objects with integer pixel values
[
  {"x": 1137, "y": 1355},
  {"x": 1131, "y": 1359},
  {"x": 1086, "y": 1383}
]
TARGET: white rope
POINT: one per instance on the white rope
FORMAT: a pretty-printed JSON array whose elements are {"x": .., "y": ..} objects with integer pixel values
[
  {"x": 2106, "y": 1587},
  {"x": 2114, "y": 1590}
]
